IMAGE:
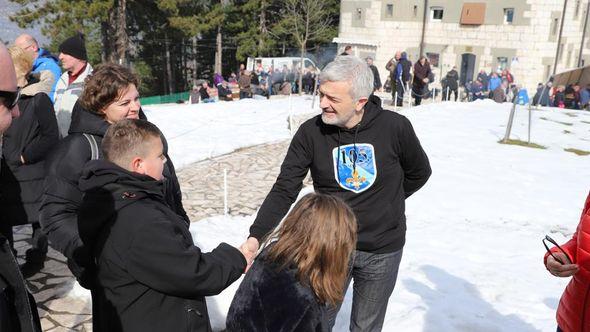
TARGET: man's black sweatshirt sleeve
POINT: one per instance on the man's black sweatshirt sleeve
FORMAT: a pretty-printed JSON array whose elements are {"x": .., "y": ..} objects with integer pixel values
[
  {"x": 286, "y": 188},
  {"x": 413, "y": 159}
]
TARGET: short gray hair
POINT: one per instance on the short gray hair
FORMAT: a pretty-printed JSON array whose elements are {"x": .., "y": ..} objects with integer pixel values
[{"x": 351, "y": 69}]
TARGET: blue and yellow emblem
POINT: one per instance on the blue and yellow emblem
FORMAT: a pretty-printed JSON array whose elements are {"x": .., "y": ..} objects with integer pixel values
[{"x": 355, "y": 168}]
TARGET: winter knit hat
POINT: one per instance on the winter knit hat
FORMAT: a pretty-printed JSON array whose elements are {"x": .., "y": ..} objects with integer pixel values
[{"x": 74, "y": 46}]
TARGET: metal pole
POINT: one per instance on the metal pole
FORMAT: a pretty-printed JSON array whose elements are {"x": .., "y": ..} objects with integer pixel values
[
  {"x": 423, "y": 27},
  {"x": 583, "y": 35},
  {"x": 530, "y": 120},
  {"x": 225, "y": 205},
  {"x": 559, "y": 37},
  {"x": 395, "y": 102},
  {"x": 510, "y": 120}
]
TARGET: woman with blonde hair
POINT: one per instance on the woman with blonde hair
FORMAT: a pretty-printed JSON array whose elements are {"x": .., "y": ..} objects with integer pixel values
[
  {"x": 302, "y": 269},
  {"x": 25, "y": 147}
]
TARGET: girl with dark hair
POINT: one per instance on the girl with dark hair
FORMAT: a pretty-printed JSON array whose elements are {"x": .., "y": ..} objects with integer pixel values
[{"x": 302, "y": 269}]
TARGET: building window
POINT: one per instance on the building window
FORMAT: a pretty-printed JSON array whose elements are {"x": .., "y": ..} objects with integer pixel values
[
  {"x": 415, "y": 10},
  {"x": 547, "y": 71},
  {"x": 508, "y": 15},
  {"x": 359, "y": 14},
  {"x": 502, "y": 62},
  {"x": 569, "y": 58},
  {"x": 560, "y": 55},
  {"x": 436, "y": 13},
  {"x": 389, "y": 10},
  {"x": 433, "y": 59},
  {"x": 577, "y": 9},
  {"x": 554, "y": 26}
]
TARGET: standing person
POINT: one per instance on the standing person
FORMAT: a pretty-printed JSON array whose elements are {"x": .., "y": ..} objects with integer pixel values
[
  {"x": 151, "y": 276},
  {"x": 18, "y": 311},
  {"x": 194, "y": 95},
  {"x": 452, "y": 80},
  {"x": 484, "y": 79},
  {"x": 493, "y": 83},
  {"x": 376, "y": 78},
  {"x": 402, "y": 77},
  {"x": 499, "y": 95},
  {"x": 71, "y": 83},
  {"x": 572, "y": 260},
  {"x": 110, "y": 96},
  {"x": 291, "y": 281},
  {"x": 421, "y": 73},
  {"x": 43, "y": 60},
  {"x": 347, "y": 50},
  {"x": 25, "y": 146},
  {"x": 371, "y": 159},
  {"x": 391, "y": 68},
  {"x": 244, "y": 84}
]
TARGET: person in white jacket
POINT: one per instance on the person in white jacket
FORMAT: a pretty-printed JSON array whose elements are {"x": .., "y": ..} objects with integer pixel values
[{"x": 74, "y": 61}]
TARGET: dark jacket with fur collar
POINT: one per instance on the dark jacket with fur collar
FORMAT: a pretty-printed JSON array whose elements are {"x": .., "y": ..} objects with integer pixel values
[
  {"x": 273, "y": 300},
  {"x": 150, "y": 275}
]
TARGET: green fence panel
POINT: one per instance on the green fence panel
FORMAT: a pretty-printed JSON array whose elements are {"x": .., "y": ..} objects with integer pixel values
[{"x": 166, "y": 99}]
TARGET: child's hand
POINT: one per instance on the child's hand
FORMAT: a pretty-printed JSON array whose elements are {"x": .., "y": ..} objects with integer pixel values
[
  {"x": 249, "y": 250},
  {"x": 561, "y": 270}
]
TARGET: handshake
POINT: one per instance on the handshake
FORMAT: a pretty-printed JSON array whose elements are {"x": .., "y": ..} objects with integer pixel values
[{"x": 249, "y": 250}]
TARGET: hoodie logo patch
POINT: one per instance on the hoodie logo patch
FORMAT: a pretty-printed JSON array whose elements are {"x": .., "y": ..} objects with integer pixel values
[{"x": 355, "y": 170}]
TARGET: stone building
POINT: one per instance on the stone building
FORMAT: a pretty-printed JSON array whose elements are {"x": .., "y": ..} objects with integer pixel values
[{"x": 520, "y": 35}]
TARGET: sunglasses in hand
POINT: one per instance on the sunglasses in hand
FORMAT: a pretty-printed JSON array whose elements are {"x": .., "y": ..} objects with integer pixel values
[{"x": 550, "y": 240}]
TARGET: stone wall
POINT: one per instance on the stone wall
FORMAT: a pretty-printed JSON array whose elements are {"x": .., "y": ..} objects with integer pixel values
[{"x": 528, "y": 44}]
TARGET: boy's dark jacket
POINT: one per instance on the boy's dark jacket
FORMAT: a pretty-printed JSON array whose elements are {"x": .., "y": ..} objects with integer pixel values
[
  {"x": 402, "y": 168},
  {"x": 62, "y": 196},
  {"x": 271, "y": 299},
  {"x": 151, "y": 277}
]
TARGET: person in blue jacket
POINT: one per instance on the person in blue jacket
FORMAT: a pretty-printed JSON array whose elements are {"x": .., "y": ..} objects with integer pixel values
[
  {"x": 44, "y": 60},
  {"x": 493, "y": 83}
]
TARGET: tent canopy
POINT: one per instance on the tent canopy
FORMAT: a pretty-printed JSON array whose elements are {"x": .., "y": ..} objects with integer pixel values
[{"x": 578, "y": 75}]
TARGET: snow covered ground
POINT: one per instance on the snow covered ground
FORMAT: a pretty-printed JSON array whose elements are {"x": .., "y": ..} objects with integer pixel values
[{"x": 473, "y": 258}]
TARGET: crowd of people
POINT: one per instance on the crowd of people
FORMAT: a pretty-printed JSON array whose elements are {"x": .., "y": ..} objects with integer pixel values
[
  {"x": 573, "y": 96},
  {"x": 98, "y": 185},
  {"x": 262, "y": 82}
]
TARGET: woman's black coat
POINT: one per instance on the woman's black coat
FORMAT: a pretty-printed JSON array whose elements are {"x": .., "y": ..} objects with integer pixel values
[{"x": 31, "y": 135}]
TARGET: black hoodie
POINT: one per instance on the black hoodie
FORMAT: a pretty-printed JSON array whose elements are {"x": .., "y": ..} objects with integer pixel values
[
  {"x": 390, "y": 165},
  {"x": 62, "y": 197},
  {"x": 150, "y": 275}
]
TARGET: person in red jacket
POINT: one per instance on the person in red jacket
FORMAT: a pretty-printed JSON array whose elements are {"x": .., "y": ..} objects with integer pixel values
[{"x": 573, "y": 313}]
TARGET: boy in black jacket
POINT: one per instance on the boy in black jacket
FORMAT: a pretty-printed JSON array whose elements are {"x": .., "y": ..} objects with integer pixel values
[{"x": 151, "y": 276}]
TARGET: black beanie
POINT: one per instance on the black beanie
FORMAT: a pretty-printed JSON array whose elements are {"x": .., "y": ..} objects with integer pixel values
[{"x": 74, "y": 46}]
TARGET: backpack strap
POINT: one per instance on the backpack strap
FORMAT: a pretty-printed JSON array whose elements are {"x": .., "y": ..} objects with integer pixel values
[{"x": 93, "y": 146}]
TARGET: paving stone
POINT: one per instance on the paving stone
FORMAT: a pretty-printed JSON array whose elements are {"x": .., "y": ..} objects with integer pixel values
[
  {"x": 54, "y": 292},
  {"x": 69, "y": 321},
  {"x": 46, "y": 324},
  {"x": 53, "y": 281},
  {"x": 70, "y": 305}
]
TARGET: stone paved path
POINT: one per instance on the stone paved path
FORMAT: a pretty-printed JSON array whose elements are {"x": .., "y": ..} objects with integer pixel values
[{"x": 251, "y": 172}]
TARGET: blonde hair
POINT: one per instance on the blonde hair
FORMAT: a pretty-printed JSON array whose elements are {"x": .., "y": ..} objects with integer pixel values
[
  {"x": 23, "y": 61},
  {"x": 318, "y": 237}
]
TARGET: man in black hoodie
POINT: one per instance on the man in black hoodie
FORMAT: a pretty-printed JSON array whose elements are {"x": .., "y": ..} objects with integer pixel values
[
  {"x": 369, "y": 157},
  {"x": 151, "y": 276}
]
